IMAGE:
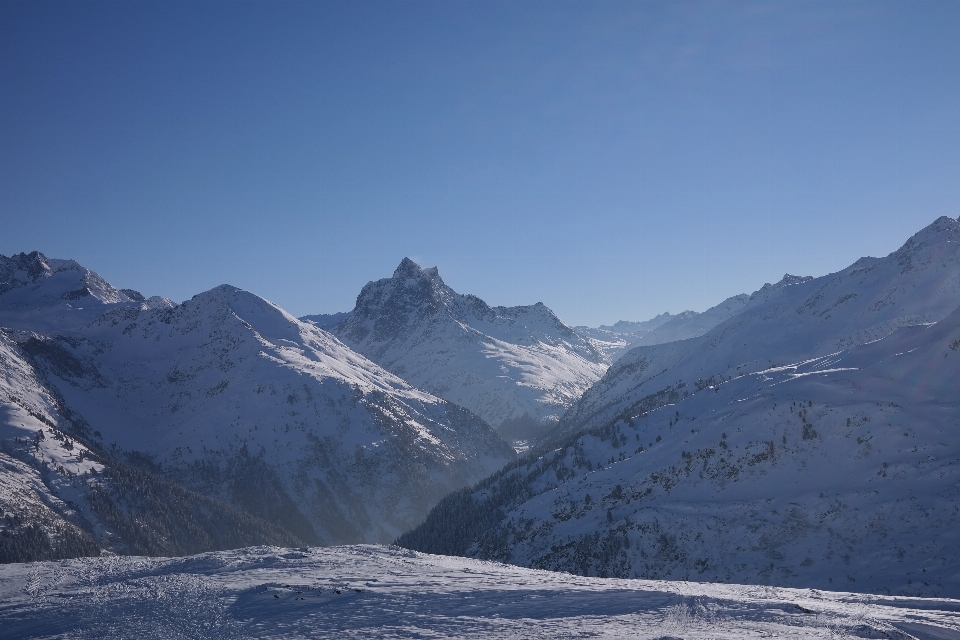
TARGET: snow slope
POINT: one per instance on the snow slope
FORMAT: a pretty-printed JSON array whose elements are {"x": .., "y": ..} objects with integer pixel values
[
  {"x": 38, "y": 467},
  {"x": 691, "y": 324},
  {"x": 502, "y": 363},
  {"x": 62, "y": 496},
  {"x": 233, "y": 397},
  {"x": 226, "y": 394},
  {"x": 795, "y": 320},
  {"x": 385, "y": 592},
  {"x": 841, "y": 470},
  {"x": 48, "y": 295},
  {"x": 616, "y": 340}
]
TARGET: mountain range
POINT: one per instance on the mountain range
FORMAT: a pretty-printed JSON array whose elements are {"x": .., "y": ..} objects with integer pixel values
[
  {"x": 802, "y": 435},
  {"x": 518, "y": 368},
  {"x": 809, "y": 440},
  {"x": 225, "y": 395}
]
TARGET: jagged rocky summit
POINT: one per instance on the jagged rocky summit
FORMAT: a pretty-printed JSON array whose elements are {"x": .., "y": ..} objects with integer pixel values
[
  {"x": 517, "y": 367},
  {"x": 47, "y": 294}
]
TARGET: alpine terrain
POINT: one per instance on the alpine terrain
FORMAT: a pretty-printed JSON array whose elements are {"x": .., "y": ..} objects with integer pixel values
[
  {"x": 616, "y": 340},
  {"x": 519, "y": 368},
  {"x": 245, "y": 422},
  {"x": 811, "y": 439}
]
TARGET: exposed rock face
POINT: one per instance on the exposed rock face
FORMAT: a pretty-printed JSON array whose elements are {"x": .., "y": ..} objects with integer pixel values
[{"x": 502, "y": 363}]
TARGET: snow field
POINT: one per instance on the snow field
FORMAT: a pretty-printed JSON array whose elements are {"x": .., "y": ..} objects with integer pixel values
[{"x": 384, "y": 592}]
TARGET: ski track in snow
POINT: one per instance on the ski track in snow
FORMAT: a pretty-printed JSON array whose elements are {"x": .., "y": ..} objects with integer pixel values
[{"x": 372, "y": 591}]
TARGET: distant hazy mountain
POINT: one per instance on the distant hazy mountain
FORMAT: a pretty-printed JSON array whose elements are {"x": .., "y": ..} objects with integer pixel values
[
  {"x": 238, "y": 401},
  {"x": 516, "y": 367},
  {"x": 614, "y": 341},
  {"x": 810, "y": 440},
  {"x": 691, "y": 324},
  {"x": 326, "y": 321}
]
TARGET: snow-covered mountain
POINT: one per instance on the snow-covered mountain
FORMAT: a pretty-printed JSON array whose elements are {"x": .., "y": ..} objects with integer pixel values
[
  {"x": 49, "y": 295},
  {"x": 827, "y": 458},
  {"x": 385, "y": 592},
  {"x": 232, "y": 397},
  {"x": 60, "y": 497},
  {"x": 616, "y": 340},
  {"x": 797, "y": 319},
  {"x": 513, "y": 366},
  {"x": 519, "y": 368}
]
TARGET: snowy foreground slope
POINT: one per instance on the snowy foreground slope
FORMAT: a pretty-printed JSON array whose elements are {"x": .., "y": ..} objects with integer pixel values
[
  {"x": 502, "y": 363},
  {"x": 385, "y": 592},
  {"x": 837, "y": 471},
  {"x": 231, "y": 397}
]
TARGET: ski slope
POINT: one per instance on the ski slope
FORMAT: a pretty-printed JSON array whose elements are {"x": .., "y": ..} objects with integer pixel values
[{"x": 387, "y": 592}]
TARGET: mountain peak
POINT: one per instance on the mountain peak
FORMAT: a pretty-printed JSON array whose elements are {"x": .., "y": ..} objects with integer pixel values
[
  {"x": 46, "y": 281},
  {"x": 22, "y": 268},
  {"x": 943, "y": 228},
  {"x": 499, "y": 362},
  {"x": 410, "y": 269},
  {"x": 788, "y": 280}
]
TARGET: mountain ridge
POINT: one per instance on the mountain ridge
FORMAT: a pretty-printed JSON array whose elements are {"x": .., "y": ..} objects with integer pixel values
[
  {"x": 863, "y": 302},
  {"x": 502, "y": 363},
  {"x": 240, "y": 403},
  {"x": 825, "y": 455}
]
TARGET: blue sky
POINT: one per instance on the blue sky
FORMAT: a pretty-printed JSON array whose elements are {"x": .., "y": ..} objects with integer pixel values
[{"x": 612, "y": 160}]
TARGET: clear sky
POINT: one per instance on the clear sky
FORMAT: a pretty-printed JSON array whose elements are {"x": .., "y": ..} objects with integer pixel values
[{"x": 612, "y": 160}]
